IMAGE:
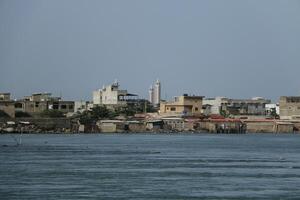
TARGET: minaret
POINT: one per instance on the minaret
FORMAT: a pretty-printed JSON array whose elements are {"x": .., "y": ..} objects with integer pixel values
[
  {"x": 151, "y": 95},
  {"x": 157, "y": 92}
]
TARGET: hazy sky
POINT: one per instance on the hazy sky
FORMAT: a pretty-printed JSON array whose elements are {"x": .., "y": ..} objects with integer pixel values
[{"x": 213, "y": 48}]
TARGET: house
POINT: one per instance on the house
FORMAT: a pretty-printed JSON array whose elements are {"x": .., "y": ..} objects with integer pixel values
[
  {"x": 242, "y": 107},
  {"x": 4, "y": 96},
  {"x": 213, "y": 105},
  {"x": 39, "y": 102},
  {"x": 174, "y": 123},
  {"x": 112, "y": 95},
  {"x": 289, "y": 107},
  {"x": 7, "y": 105},
  {"x": 182, "y": 105}
]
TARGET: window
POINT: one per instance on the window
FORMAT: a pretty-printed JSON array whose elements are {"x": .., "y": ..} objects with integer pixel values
[
  {"x": 64, "y": 106},
  {"x": 173, "y": 109},
  {"x": 196, "y": 108},
  {"x": 72, "y": 107},
  {"x": 55, "y": 106},
  {"x": 37, "y": 104},
  {"x": 18, "y": 105}
]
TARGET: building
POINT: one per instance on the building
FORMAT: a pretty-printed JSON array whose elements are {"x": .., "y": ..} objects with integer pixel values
[
  {"x": 39, "y": 102},
  {"x": 289, "y": 107},
  {"x": 7, "y": 105},
  {"x": 254, "y": 106},
  {"x": 222, "y": 105},
  {"x": 151, "y": 94},
  {"x": 155, "y": 93},
  {"x": 4, "y": 96},
  {"x": 214, "y": 105},
  {"x": 41, "y": 97},
  {"x": 174, "y": 123},
  {"x": 272, "y": 109},
  {"x": 182, "y": 105},
  {"x": 81, "y": 106},
  {"x": 112, "y": 95}
]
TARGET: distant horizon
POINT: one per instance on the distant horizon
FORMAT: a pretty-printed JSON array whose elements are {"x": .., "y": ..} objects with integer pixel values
[
  {"x": 236, "y": 49},
  {"x": 14, "y": 97}
]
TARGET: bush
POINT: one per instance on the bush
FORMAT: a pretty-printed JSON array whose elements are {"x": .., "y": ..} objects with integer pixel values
[
  {"x": 52, "y": 114},
  {"x": 3, "y": 114},
  {"x": 22, "y": 114}
]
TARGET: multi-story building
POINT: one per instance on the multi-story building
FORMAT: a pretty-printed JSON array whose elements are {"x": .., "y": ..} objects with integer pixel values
[
  {"x": 289, "y": 107},
  {"x": 4, "y": 96},
  {"x": 272, "y": 109},
  {"x": 222, "y": 105},
  {"x": 39, "y": 102},
  {"x": 111, "y": 95},
  {"x": 151, "y": 94},
  {"x": 7, "y": 105},
  {"x": 214, "y": 105},
  {"x": 182, "y": 105},
  {"x": 155, "y": 93},
  {"x": 254, "y": 106}
]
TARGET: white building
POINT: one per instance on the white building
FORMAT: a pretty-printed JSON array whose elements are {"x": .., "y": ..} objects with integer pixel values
[
  {"x": 155, "y": 93},
  {"x": 81, "y": 106},
  {"x": 215, "y": 104},
  {"x": 151, "y": 99},
  {"x": 112, "y": 95},
  {"x": 272, "y": 107}
]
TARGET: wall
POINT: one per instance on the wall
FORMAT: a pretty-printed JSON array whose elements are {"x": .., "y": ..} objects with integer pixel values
[
  {"x": 8, "y": 107},
  {"x": 289, "y": 107}
]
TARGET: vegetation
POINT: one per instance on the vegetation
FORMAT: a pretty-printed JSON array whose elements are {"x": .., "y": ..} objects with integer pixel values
[
  {"x": 224, "y": 113},
  {"x": 52, "y": 114},
  {"x": 274, "y": 114},
  {"x": 3, "y": 114},
  {"x": 22, "y": 114},
  {"x": 98, "y": 112},
  {"x": 102, "y": 112}
]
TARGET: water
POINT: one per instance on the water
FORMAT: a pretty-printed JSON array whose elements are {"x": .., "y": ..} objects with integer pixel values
[{"x": 150, "y": 166}]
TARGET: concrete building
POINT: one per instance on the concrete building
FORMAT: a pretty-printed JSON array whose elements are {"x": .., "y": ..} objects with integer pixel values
[
  {"x": 41, "y": 97},
  {"x": 81, "y": 106},
  {"x": 4, "y": 96},
  {"x": 7, "y": 105},
  {"x": 174, "y": 123},
  {"x": 272, "y": 108},
  {"x": 151, "y": 94},
  {"x": 215, "y": 105},
  {"x": 254, "y": 106},
  {"x": 222, "y": 105},
  {"x": 289, "y": 107},
  {"x": 155, "y": 93},
  {"x": 182, "y": 105},
  {"x": 39, "y": 102},
  {"x": 112, "y": 95}
]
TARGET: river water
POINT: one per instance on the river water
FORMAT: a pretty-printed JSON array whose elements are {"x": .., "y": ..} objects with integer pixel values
[{"x": 150, "y": 166}]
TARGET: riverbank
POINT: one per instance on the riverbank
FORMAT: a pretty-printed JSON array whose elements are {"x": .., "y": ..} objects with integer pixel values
[{"x": 167, "y": 125}]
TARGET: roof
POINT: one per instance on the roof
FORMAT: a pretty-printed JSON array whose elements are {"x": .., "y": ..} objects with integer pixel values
[
  {"x": 223, "y": 120},
  {"x": 128, "y": 94}
]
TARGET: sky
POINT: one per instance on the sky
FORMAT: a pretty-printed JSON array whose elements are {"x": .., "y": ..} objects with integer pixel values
[{"x": 232, "y": 48}]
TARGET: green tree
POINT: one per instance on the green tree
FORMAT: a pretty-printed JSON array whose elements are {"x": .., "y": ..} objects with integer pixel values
[
  {"x": 52, "y": 114},
  {"x": 3, "y": 114},
  {"x": 100, "y": 112},
  {"x": 22, "y": 114}
]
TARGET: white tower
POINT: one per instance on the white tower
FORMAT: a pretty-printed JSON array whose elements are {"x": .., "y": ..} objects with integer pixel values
[
  {"x": 151, "y": 94},
  {"x": 157, "y": 93}
]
